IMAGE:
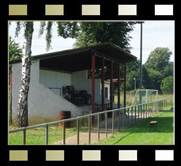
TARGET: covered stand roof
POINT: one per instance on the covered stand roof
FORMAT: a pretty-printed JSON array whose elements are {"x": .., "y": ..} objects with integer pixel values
[{"x": 80, "y": 58}]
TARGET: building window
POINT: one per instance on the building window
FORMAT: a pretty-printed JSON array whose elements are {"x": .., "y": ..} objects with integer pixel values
[{"x": 106, "y": 92}]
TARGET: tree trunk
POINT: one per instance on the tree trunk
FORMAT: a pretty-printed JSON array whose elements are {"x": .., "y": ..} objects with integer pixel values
[{"x": 22, "y": 118}]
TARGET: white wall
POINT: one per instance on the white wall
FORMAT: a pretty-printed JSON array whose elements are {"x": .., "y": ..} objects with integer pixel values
[
  {"x": 80, "y": 82},
  {"x": 55, "y": 79},
  {"x": 43, "y": 104}
]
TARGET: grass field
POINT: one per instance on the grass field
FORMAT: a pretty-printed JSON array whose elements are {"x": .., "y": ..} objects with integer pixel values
[
  {"x": 139, "y": 133},
  {"x": 169, "y": 97},
  {"x": 37, "y": 136}
]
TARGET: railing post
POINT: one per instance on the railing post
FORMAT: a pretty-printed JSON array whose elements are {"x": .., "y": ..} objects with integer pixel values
[
  {"x": 128, "y": 116},
  {"x": 158, "y": 105},
  {"x": 98, "y": 126},
  {"x": 119, "y": 120},
  {"x": 64, "y": 124},
  {"x": 166, "y": 103},
  {"x": 112, "y": 122},
  {"x": 123, "y": 117},
  {"x": 131, "y": 115},
  {"x": 89, "y": 121},
  {"x": 141, "y": 112},
  {"x": 135, "y": 114},
  {"x": 146, "y": 109},
  {"x": 163, "y": 104},
  {"x": 77, "y": 130},
  {"x": 106, "y": 123},
  {"x": 46, "y": 141},
  {"x": 138, "y": 113},
  {"x": 24, "y": 136},
  {"x": 149, "y": 110}
]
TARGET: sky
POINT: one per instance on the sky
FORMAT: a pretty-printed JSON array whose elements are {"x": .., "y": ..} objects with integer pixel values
[{"x": 155, "y": 34}]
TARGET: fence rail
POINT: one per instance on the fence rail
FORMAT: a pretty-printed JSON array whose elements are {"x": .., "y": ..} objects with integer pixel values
[{"x": 133, "y": 114}]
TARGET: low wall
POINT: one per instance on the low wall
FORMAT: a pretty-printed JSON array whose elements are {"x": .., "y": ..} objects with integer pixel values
[{"x": 43, "y": 104}]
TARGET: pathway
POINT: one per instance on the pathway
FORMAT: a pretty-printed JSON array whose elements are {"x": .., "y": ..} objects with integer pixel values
[{"x": 84, "y": 137}]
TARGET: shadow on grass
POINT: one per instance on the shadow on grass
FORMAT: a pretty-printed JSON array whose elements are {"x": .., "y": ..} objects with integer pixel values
[
  {"x": 164, "y": 125},
  {"x": 122, "y": 138},
  {"x": 166, "y": 111}
]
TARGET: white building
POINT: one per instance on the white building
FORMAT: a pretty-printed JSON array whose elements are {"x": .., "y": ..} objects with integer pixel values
[{"x": 51, "y": 74}]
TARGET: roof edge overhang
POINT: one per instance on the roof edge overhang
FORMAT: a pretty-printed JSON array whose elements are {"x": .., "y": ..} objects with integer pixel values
[
  {"x": 78, "y": 59},
  {"x": 81, "y": 50}
]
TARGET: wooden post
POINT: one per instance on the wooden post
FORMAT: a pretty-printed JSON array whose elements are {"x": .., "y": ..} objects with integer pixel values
[
  {"x": 24, "y": 136},
  {"x": 113, "y": 122},
  {"x": 106, "y": 123},
  {"x": 98, "y": 127},
  {"x": 119, "y": 85},
  {"x": 64, "y": 124},
  {"x": 111, "y": 86},
  {"x": 78, "y": 131},
  {"x": 103, "y": 77},
  {"x": 125, "y": 85},
  {"x": 46, "y": 139},
  {"x": 89, "y": 125},
  {"x": 93, "y": 86}
]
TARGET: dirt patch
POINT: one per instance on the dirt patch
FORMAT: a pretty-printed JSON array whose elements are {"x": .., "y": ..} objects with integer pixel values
[{"x": 83, "y": 139}]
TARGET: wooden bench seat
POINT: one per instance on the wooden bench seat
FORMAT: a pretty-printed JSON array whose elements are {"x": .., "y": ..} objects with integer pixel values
[{"x": 153, "y": 124}]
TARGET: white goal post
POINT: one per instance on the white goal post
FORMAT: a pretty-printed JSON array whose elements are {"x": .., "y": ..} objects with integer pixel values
[{"x": 144, "y": 96}]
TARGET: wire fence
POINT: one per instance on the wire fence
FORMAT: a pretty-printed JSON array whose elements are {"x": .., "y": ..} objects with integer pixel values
[{"x": 107, "y": 122}]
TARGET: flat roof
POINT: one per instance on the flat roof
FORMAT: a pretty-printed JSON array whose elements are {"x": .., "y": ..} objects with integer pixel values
[{"x": 80, "y": 58}]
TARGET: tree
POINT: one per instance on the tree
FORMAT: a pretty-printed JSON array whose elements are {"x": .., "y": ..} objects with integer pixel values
[
  {"x": 132, "y": 71},
  {"x": 158, "y": 67},
  {"x": 167, "y": 85},
  {"x": 168, "y": 70},
  {"x": 98, "y": 32},
  {"x": 22, "y": 118},
  {"x": 90, "y": 33},
  {"x": 14, "y": 49},
  {"x": 147, "y": 81},
  {"x": 155, "y": 78},
  {"x": 159, "y": 61}
]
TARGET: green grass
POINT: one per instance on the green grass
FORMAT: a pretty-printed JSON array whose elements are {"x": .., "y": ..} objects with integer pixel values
[
  {"x": 139, "y": 133},
  {"x": 169, "y": 98},
  {"x": 37, "y": 136}
]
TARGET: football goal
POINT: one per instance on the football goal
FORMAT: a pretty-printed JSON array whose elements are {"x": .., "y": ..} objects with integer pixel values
[{"x": 145, "y": 96}]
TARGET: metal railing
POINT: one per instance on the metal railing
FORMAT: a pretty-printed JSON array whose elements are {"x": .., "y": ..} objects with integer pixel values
[{"x": 133, "y": 114}]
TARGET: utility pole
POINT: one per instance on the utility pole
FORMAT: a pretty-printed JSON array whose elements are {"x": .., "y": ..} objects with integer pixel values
[
  {"x": 134, "y": 83},
  {"x": 140, "y": 83}
]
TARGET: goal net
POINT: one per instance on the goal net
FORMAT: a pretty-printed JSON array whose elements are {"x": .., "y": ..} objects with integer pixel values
[{"x": 145, "y": 96}]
